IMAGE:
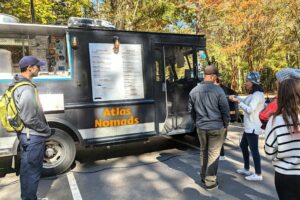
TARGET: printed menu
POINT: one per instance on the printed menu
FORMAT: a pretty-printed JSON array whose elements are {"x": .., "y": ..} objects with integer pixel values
[{"x": 116, "y": 76}]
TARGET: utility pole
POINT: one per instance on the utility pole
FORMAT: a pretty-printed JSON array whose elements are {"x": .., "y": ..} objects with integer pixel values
[{"x": 32, "y": 11}]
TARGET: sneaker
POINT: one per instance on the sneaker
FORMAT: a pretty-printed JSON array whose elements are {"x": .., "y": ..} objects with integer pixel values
[
  {"x": 254, "y": 177},
  {"x": 222, "y": 158},
  {"x": 244, "y": 172},
  {"x": 212, "y": 187}
]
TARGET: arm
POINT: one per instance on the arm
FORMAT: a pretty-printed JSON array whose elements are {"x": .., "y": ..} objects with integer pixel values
[
  {"x": 224, "y": 108},
  {"x": 191, "y": 108},
  {"x": 28, "y": 110},
  {"x": 257, "y": 97},
  {"x": 271, "y": 144}
]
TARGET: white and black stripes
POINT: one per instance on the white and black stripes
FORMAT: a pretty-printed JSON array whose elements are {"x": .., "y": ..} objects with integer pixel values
[{"x": 283, "y": 147}]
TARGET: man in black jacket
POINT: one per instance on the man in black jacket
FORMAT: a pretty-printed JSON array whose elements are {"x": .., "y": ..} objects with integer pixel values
[{"x": 210, "y": 110}]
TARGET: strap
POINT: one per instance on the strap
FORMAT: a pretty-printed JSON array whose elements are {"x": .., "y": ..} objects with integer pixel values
[
  {"x": 14, "y": 87},
  {"x": 24, "y": 83}
]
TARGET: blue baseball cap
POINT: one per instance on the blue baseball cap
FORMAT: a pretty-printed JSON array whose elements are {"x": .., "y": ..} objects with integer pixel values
[
  {"x": 254, "y": 77},
  {"x": 30, "y": 61}
]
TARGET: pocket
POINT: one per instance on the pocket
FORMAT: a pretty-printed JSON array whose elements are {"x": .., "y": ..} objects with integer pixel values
[{"x": 36, "y": 154}]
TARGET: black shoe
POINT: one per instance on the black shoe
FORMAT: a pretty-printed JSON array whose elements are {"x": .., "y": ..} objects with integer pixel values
[{"x": 212, "y": 187}]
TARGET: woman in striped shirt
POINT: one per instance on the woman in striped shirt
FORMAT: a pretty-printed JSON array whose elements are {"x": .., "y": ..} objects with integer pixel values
[{"x": 283, "y": 140}]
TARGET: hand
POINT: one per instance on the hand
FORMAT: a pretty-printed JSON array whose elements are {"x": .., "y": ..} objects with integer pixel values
[{"x": 231, "y": 97}]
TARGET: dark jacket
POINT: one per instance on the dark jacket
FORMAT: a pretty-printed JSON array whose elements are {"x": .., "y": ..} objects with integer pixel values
[
  {"x": 208, "y": 106},
  {"x": 30, "y": 109}
]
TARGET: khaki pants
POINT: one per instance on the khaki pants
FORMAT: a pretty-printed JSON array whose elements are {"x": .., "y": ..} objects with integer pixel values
[{"x": 211, "y": 142}]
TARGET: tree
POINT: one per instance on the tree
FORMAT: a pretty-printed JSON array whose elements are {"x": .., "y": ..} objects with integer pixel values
[
  {"x": 291, "y": 34},
  {"x": 47, "y": 11},
  {"x": 143, "y": 15}
]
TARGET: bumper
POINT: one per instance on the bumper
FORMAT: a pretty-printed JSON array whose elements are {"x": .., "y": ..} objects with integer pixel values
[
  {"x": 8, "y": 148},
  {"x": 6, "y": 165}
]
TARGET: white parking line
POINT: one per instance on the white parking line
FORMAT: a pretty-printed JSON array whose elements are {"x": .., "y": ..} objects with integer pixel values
[{"x": 73, "y": 186}]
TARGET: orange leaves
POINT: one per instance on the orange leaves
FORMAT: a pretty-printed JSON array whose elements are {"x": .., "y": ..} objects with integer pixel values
[
  {"x": 249, "y": 3},
  {"x": 234, "y": 47}
]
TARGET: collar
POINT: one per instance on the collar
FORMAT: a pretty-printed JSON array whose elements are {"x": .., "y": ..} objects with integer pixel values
[{"x": 207, "y": 82}]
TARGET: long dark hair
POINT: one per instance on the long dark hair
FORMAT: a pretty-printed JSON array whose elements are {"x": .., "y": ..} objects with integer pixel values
[
  {"x": 255, "y": 88},
  {"x": 289, "y": 103}
]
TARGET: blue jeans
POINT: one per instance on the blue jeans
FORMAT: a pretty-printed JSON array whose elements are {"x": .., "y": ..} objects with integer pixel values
[
  {"x": 32, "y": 154},
  {"x": 251, "y": 140}
]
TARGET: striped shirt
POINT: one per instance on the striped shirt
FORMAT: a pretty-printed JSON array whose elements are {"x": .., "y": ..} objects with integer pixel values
[{"x": 282, "y": 147}]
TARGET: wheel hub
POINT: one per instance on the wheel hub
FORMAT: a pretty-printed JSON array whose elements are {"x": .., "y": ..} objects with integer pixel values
[
  {"x": 54, "y": 154},
  {"x": 49, "y": 152}
]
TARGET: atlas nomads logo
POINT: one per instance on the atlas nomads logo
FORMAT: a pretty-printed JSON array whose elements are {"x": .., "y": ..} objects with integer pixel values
[{"x": 123, "y": 117}]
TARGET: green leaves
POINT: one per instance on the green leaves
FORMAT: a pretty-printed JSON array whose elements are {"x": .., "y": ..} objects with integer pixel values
[{"x": 47, "y": 11}]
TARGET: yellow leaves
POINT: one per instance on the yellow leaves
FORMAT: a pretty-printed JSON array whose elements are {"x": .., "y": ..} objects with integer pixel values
[
  {"x": 234, "y": 47},
  {"x": 236, "y": 18},
  {"x": 249, "y": 3}
]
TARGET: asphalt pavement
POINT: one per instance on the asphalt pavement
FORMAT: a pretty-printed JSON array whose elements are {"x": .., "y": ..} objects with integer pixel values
[{"x": 161, "y": 168}]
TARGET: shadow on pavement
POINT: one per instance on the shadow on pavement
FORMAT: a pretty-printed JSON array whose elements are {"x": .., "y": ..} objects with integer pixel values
[{"x": 232, "y": 185}]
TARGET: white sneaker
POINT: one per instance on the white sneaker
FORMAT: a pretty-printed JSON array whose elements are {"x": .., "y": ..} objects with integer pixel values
[
  {"x": 244, "y": 172},
  {"x": 222, "y": 158},
  {"x": 254, "y": 177}
]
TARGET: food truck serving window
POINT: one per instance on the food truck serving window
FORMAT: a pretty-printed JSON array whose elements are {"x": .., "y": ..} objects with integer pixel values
[
  {"x": 50, "y": 48},
  {"x": 116, "y": 75}
]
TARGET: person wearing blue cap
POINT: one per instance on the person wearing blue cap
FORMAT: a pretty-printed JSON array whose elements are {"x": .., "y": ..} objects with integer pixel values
[
  {"x": 32, "y": 137},
  {"x": 251, "y": 106}
]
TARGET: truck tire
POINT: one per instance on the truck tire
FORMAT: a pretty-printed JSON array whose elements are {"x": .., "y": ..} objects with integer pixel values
[{"x": 59, "y": 153}]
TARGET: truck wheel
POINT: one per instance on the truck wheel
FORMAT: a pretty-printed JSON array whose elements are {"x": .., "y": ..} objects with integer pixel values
[{"x": 59, "y": 153}]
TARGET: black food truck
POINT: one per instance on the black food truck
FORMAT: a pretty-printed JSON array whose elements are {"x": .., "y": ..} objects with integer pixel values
[{"x": 102, "y": 86}]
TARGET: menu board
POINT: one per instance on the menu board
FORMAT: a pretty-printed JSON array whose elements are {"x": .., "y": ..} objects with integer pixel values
[{"x": 116, "y": 76}]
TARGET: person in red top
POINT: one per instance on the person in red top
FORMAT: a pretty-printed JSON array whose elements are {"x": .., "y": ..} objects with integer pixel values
[
  {"x": 267, "y": 112},
  {"x": 271, "y": 108}
]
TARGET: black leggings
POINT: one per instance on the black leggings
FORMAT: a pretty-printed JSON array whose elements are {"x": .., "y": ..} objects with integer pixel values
[
  {"x": 251, "y": 140},
  {"x": 287, "y": 186}
]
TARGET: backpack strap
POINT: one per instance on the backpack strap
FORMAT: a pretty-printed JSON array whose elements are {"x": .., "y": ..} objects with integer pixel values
[{"x": 14, "y": 87}]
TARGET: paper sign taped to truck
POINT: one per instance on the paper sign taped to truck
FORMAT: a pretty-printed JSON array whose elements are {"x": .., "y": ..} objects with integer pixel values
[{"x": 116, "y": 75}]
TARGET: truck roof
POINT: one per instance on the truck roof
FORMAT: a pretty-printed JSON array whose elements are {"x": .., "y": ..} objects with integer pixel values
[
  {"x": 32, "y": 28},
  {"x": 60, "y": 29}
]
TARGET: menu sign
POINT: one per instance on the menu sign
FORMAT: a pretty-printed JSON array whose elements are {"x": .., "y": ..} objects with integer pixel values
[{"x": 116, "y": 76}]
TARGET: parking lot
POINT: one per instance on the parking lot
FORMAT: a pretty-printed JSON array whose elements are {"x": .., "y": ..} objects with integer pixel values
[{"x": 160, "y": 168}]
